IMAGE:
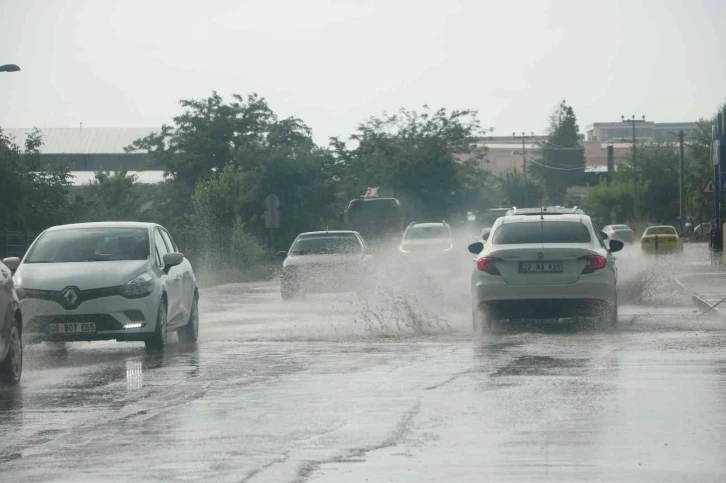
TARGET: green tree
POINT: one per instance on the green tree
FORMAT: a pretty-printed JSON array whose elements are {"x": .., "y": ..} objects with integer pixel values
[
  {"x": 611, "y": 203},
  {"x": 511, "y": 186},
  {"x": 114, "y": 197},
  {"x": 33, "y": 196},
  {"x": 699, "y": 170},
  {"x": 561, "y": 162},
  {"x": 417, "y": 156}
]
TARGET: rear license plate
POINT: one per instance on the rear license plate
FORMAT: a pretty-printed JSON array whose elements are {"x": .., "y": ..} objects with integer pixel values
[
  {"x": 73, "y": 328},
  {"x": 540, "y": 267}
]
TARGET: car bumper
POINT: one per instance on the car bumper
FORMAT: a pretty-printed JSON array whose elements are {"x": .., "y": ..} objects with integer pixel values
[
  {"x": 662, "y": 249},
  {"x": 598, "y": 288},
  {"x": 323, "y": 281},
  {"x": 109, "y": 314},
  {"x": 543, "y": 309}
]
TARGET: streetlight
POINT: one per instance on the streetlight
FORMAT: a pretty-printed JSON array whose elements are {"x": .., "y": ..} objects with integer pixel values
[
  {"x": 9, "y": 68},
  {"x": 632, "y": 120}
]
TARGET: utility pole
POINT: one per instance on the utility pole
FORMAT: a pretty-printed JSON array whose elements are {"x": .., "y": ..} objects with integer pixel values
[
  {"x": 524, "y": 167},
  {"x": 632, "y": 121},
  {"x": 682, "y": 183}
]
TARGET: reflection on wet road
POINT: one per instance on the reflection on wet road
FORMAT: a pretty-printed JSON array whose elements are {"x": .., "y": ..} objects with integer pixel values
[{"x": 330, "y": 389}]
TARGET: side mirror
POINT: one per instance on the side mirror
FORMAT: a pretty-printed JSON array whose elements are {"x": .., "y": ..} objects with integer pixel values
[
  {"x": 615, "y": 246},
  {"x": 476, "y": 248},
  {"x": 604, "y": 235},
  {"x": 485, "y": 237},
  {"x": 12, "y": 263},
  {"x": 282, "y": 254},
  {"x": 172, "y": 259}
]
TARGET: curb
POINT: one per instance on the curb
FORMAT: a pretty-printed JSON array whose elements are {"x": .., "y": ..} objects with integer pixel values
[{"x": 701, "y": 303}]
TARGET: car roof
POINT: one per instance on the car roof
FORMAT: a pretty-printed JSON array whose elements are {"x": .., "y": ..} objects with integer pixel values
[
  {"x": 329, "y": 232},
  {"x": 104, "y": 224},
  {"x": 533, "y": 219},
  {"x": 661, "y": 226}
]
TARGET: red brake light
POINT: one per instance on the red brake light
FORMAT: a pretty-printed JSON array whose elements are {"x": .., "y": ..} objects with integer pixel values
[
  {"x": 615, "y": 233},
  {"x": 632, "y": 232},
  {"x": 594, "y": 262},
  {"x": 487, "y": 265}
]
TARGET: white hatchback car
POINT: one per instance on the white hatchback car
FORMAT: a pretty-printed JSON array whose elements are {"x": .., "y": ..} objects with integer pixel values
[
  {"x": 121, "y": 281},
  {"x": 544, "y": 266}
]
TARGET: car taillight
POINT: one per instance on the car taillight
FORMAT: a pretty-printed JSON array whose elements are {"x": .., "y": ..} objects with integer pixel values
[
  {"x": 632, "y": 232},
  {"x": 487, "y": 265},
  {"x": 594, "y": 262},
  {"x": 615, "y": 233}
]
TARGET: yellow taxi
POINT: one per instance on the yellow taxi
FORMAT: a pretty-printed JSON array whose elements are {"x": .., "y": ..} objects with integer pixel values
[{"x": 661, "y": 239}]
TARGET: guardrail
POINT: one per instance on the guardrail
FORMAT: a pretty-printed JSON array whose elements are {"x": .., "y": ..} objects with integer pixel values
[{"x": 15, "y": 243}]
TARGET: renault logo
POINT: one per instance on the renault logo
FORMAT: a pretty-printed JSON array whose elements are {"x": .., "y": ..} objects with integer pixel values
[
  {"x": 540, "y": 255},
  {"x": 70, "y": 297}
]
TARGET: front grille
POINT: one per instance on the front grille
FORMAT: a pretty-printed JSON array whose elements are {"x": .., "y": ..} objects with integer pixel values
[{"x": 103, "y": 322}]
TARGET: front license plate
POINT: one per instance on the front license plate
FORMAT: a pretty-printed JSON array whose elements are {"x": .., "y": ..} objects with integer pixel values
[
  {"x": 73, "y": 328},
  {"x": 540, "y": 267}
]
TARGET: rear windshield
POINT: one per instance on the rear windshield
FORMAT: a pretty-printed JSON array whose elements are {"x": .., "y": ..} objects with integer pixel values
[
  {"x": 90, "y": 245},
  {"x": 620, "y": 227},
  {"x": 660, "y": 230},
  {"x": 326, "y": 245},
  {"x": 427, "y": 233},
  {"x": 541, "y": 232}
]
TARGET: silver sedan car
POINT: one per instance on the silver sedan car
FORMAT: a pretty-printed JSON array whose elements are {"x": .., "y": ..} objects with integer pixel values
[{"x": 119, "y": 281}]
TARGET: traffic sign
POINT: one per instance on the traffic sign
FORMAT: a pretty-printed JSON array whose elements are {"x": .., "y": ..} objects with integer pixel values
[
  {"x": 272, "y": 215},
  {"x": 708, "y": 188},
  {"x": 272, "y": 202}
]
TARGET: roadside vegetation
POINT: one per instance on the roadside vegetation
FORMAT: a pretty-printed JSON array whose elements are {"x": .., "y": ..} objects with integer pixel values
[{"x": 222, "y": 157}]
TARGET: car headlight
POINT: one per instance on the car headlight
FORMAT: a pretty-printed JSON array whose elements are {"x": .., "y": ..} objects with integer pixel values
[
  {"x": 139, "y": 287},
  {"x": 448, "y": 249},
  {"x": 402, "y": 249}
]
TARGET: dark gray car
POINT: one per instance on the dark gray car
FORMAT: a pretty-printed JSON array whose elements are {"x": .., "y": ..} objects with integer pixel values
[{"x": 11, "y": 326}]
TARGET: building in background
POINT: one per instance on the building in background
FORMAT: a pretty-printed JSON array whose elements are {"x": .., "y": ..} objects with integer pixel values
[
  {"x": 88, "y": 151},
  {"x": 645, "y": 131}
]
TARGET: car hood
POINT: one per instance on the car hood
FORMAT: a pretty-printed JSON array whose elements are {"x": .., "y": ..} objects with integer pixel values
[
  {"x": 307, "y": 260},
  {"x": 84, "y": 275}
]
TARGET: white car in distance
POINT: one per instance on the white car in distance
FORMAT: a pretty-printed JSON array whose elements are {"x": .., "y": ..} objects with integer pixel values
[
  {"x": 539, "y": 266},
  {"x": 121, "y": 281}
]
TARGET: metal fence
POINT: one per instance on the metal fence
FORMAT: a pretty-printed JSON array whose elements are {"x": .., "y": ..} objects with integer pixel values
[{"x": 15, "y": 243}]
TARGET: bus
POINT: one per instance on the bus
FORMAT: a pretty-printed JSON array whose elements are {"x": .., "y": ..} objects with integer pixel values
[{"x": 376, "y": 219}]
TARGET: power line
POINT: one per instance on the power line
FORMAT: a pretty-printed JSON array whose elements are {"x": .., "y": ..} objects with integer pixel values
[{"x": 558, "y": 168}]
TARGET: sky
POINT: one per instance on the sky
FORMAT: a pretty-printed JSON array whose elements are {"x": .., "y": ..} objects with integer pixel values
[{"x": 334, "y": 63}]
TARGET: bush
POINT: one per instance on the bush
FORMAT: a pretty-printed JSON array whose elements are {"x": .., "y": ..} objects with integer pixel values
[{"x": 245, "y": 250}]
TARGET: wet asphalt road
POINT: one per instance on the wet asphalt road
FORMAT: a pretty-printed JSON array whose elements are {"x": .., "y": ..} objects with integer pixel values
[{"x": 330, "y": 389}]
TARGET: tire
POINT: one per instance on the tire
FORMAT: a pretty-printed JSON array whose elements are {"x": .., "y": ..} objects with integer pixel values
[
  {"x": 190, "y": 332},
  {"x": 161, "y": 336},
  {"x": 482, "y": 323},
  {"x": 287, "y": 290},
  {"x": 610, "y": 318},
  {"x": 11, "y": 369}
]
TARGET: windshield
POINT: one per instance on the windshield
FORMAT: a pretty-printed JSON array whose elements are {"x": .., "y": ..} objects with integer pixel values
[
  {"x": 541, "y": 232},
  {"x": 620, "y": 227},
  {"x": 90, "y": 245},
  {"x": 326, "y": 245},
  {"x": 661, "y": 230},
  {"x": 427, "y": 233}
]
